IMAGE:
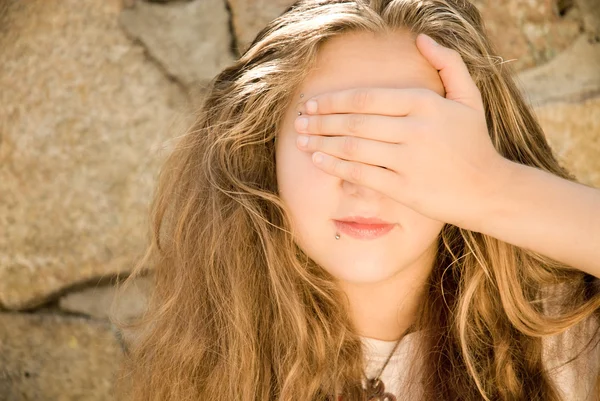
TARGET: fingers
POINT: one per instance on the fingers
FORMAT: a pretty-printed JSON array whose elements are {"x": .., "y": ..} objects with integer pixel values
[
  {"x": 368, "y": 126},
  {"x": 351, "y": 148},
  {"x": 379, "y": 179},
  {"x": 455, "y": 76},
  {"x": 383, "y": 101}
]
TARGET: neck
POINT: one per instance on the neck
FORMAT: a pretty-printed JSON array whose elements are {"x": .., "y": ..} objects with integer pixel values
[{"x": 384, "y": 310}]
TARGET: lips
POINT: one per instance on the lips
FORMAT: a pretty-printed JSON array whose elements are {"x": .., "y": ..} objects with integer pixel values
[
  {"x": 363, "y": 220},
  {"x": 363, "y": 228}
]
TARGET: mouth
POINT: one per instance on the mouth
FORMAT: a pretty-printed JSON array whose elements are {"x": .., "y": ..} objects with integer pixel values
[{"x": 364, "y": 229}]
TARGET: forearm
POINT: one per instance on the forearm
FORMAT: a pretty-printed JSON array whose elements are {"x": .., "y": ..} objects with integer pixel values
[{"x": 541, "y": 212}]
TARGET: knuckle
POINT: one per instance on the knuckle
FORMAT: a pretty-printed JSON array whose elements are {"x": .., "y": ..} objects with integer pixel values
[
  {"x": 337, "y": 168},
  {"x": 425, "y": 97},
  {"x": 318, "y": 124},
  {"x": 356, "y": 173},
  {"x": 350, "y": 145},
  {"x": 354, "y": 122},
  {"x": 360, "y": 99},
  {"x": 316, "y": 141}
]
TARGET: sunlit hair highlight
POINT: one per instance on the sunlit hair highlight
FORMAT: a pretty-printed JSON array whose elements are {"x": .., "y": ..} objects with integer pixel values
[{"x": 239, "y": 312}]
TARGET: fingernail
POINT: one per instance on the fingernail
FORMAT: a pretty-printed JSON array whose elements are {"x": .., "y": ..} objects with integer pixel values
[
  {"x": 317, "y": 157},
  {"x": 302, "y": 140},
  {"x": 311, "y": 106},
  {"x": 301, "y": 123}
]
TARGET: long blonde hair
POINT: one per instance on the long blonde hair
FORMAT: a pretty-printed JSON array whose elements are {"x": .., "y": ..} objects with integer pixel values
[{"x": 239, "y": 312}]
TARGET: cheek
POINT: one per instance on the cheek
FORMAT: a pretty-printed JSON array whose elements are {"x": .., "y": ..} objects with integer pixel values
[
  {"x": 420, "y": 230},
  {"x": 299, "y": 181},
  {"x": 309, "y": 193}
]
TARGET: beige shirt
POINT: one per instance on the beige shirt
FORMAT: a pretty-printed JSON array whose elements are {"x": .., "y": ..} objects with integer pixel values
[
  {"x": 395, "y": 374},
  {"x": 576, "y": 379}
]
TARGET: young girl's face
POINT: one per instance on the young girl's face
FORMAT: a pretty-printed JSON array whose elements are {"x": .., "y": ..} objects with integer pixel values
[{"x": 317, "y": 199}]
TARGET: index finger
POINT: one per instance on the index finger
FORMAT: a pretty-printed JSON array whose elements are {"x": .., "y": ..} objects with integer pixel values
[{"x": 382, "y": 101}]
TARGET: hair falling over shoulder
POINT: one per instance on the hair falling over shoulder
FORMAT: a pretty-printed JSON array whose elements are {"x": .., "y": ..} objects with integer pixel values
[{"x": 239, "y": 312}]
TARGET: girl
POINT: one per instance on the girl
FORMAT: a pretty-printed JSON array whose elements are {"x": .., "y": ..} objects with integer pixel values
[{"x": 365, "y": 208}]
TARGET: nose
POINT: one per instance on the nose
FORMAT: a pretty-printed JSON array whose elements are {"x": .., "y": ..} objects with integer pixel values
[{"x": 361, "y": 191}]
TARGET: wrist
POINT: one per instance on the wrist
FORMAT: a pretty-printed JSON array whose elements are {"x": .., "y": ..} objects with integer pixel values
[{"x": 504, "y": 179}]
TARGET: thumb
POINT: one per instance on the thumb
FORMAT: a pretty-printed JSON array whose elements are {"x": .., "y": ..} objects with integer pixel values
[{"x": 454, "y": 73}]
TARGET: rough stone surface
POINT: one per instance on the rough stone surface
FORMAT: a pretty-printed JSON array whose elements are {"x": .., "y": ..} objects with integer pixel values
[
  {"x": 98, "y": 301},
  {"x": 84, "y": 116},
  {"x": 590, "y": 9},
  {"x": 190, "y": 40},
  {"x": 572, "y": 76},
  {"x": 49, "y": 357},
  {"x": 250, "y": 16},
  {"x": 529, "y": 32},
  {"x": 573, "y": 131}
]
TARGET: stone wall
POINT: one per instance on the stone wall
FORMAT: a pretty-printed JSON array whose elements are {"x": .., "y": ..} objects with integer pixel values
[{"x": 92, "y": 93}]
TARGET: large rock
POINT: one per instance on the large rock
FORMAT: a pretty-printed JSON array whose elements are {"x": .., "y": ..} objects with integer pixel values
[
  {"x": 84, "y": 116},
  {"x": 49, "y": 357},
  {"x": 573, "y": 131},
  {"x": 190, "y": 40},
  {"x": 572, "y": 76}
]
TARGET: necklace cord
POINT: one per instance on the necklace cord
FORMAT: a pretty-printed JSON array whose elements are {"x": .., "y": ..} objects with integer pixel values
[{"x": 389, "y": 357}]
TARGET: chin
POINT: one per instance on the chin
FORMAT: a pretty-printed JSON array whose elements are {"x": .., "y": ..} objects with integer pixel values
[{"x": 363, "y": 271}]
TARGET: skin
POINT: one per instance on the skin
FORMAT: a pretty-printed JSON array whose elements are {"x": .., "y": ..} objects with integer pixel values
[{"x": 382, "y": 278}]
